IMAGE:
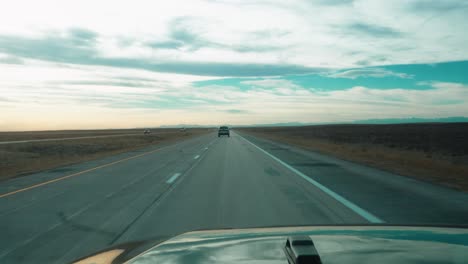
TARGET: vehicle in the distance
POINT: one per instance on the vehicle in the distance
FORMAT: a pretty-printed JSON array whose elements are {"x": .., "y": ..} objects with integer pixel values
[
  {"x": 146, "y": 132},
  {"x": 296, "y": 245},
  {"x": 223, "y": 131}
]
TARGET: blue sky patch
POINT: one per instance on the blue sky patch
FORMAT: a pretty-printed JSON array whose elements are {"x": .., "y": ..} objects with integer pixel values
[{"x": 410, "y": 77}]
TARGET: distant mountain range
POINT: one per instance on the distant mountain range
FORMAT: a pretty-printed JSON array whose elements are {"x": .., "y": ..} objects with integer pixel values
[
  {"x": 277, "y": 124},
  {"x": 185, "y": 126},
  {"x": 455, "y": 119}
]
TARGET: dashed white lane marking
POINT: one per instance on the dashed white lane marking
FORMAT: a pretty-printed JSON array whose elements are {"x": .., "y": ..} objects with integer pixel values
[
  {"x": 196, "y": 157},
  {"x": 173, "y": 178}
]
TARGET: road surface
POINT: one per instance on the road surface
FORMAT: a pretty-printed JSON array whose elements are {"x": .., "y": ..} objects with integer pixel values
[
  {"x": 64, "y": 139},
  {"x": 203, "y": 183}
]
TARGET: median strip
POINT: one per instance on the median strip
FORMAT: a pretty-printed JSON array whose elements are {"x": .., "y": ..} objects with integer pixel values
[{"x": 63, "y": 139}]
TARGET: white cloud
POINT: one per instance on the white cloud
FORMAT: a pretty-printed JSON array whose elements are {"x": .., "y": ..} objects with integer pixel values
[
  {"x": 449, "y": 95},
  {"x": 368, "y": 72},
  {"x": 339, "y": 34},
  {"x": 219, "y": 38},
  {"x": 267, "y": 101}
]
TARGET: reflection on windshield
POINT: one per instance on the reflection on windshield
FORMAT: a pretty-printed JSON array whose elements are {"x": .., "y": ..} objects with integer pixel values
[
  {"x": 334, "y": 246},
  {"x": 134, "y": 121}
]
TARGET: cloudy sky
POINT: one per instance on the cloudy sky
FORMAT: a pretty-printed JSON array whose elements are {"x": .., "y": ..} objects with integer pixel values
[{"x": 142, "y": 63}]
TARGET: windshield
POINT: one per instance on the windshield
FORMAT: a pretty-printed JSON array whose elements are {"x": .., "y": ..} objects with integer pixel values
[{"x": 125, "y": 121}]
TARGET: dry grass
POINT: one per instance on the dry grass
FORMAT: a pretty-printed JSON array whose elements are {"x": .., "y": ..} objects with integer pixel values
[
  {"x": 24, "y": 158},
  {"x": 30, "y": 135},
  {"x": 446, "y": 165}
]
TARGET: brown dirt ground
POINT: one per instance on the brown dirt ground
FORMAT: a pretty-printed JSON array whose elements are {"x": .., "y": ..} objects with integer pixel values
[
  {"x": 432, "y": 152},
  {"x": 30, "y": 135},
  {"x": 24, "y": 158}
]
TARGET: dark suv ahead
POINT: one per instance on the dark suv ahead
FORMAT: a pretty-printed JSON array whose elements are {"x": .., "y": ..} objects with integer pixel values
[{"x": 224, "y": 130}]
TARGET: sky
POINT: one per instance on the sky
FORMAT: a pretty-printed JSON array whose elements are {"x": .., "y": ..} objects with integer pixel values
[{"x": 124, "y": 64}]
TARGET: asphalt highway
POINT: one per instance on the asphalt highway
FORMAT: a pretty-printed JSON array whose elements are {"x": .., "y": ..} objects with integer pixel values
[
  {"x": 206, "y": 182},
  {"x": 63, "y": 139}
]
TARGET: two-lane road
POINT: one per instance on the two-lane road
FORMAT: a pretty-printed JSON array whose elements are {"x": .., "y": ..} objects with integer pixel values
[{"x": 203, "y": 183}]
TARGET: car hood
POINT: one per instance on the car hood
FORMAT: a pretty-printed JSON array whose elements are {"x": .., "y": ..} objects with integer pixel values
[{"x": 357, "y": 244}]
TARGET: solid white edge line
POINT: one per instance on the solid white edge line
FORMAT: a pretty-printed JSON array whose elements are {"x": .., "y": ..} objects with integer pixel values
[
  {"x": 366, "y": 215},
  {"x": 173, "y": 178}
]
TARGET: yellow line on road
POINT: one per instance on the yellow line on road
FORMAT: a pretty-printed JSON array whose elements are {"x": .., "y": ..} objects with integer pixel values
[{"x": 76, "y": 174}]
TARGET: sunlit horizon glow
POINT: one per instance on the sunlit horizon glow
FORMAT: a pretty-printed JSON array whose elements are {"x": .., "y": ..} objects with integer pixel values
[{"x": 127, "y": 64}]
